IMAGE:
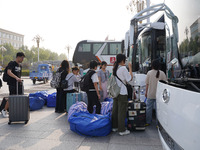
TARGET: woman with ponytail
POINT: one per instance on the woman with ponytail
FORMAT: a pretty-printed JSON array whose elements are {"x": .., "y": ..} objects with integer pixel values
[
  {"x": 120, "y": 103},
  {"x": 153, "y": 76}
]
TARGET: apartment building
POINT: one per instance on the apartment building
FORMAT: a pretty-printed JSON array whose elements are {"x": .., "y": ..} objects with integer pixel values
[
  {"x": 15, "y": 39},
  {"x": 195, "y": 28}
]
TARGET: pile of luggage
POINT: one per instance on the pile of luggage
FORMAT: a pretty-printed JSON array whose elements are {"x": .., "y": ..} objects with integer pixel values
[{"x": 84, "y": 123}]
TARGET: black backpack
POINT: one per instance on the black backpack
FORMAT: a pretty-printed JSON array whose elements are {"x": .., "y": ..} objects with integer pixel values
[
  {"x": 5, "y": 75},
  {"x": 86, "y": 81},
  {"x": 55, "y": 82}
]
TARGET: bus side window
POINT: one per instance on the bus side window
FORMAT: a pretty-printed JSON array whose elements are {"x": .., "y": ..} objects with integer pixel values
[
  {"x": 105, "y": 51},
  {"x": 80, "y": 48},
  {"x": 96, "y": 47},
  {"x": 115, "y": 48},
  {"x": 84, "y": 48}
]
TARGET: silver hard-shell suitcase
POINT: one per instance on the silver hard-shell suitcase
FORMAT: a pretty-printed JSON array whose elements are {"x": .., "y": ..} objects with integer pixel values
[{"x": 19, "y": 107}]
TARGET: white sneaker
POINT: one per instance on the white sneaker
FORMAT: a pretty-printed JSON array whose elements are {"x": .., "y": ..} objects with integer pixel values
[
  {"x": 4, "y": 113},
  {"x": 126, "y": 132},
  {"x": 114, "y": 129}
]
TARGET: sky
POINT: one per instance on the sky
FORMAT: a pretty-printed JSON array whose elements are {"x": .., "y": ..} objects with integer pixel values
[{"x": 66, "y": 22}]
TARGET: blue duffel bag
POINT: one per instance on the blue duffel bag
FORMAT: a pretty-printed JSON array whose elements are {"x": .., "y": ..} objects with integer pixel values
[
  {"x": 42, "y": 94},
  {"x": 78, "y": 107},
  {"x": 51, "y": 100},
  {"x": 36, "y": 103},
  {"x": 88, "y": 124}
]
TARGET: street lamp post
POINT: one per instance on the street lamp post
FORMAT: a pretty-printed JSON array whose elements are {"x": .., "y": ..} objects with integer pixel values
[
  {"x": 2, "y": 49},
  {"x": 37, "y": 38},
  {"x": 68, "y": 47},
  {"x": 33, "y": 56}
]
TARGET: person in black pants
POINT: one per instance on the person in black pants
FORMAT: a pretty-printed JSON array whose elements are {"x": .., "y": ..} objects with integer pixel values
[
  {"x": 14, "y": 70},
  {"x": 93, "y": 93},
  {"x": 60, "y": 95}
]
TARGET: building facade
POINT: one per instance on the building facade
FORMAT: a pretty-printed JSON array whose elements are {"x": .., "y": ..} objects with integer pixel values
[
  {"x": 15, "y": 39},
  {"x": 195, "y": 28}
]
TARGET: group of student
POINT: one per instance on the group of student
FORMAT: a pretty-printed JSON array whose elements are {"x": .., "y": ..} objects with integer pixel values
[
  {"x": 97, "y": 85},
  {"x": 98, "y": 80}
]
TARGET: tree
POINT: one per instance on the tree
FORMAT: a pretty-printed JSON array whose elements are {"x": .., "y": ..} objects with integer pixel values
[
  {"x": 62, "y": 57},
  {"x": 31, "y": 55},
  {"x": 53, "y": 56},
  {"x": 189, "y": 47}
]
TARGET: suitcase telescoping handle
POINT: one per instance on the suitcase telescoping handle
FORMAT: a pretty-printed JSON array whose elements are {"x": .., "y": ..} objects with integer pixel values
[{"x": 17, "y": 92}]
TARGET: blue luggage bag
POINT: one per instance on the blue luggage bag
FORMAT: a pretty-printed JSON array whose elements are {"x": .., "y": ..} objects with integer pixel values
[
  {"x": 72, "y": 98},
  {"x": 88, "y": 124},
  {"x": 51, "y": 100}
]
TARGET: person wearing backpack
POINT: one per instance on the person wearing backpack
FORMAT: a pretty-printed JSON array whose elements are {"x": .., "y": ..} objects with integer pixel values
[
  {"x": 120, "y": 102},
  {"x": 93, "y": 92},
  {"x": 60, "y": 95},
  {"x": 71, "y": 78},
  {"x": 12, "y": 75}
]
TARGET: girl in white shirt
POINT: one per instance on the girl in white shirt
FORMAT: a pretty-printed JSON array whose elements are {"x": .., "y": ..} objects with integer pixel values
[{"x": 120, "y": 103}]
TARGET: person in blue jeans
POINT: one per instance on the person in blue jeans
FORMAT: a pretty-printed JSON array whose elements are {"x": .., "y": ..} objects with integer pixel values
[{"x": 153, "y": 76}]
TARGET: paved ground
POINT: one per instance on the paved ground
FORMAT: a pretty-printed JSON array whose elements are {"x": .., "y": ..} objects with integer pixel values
[{"x": 48, "y": 130}]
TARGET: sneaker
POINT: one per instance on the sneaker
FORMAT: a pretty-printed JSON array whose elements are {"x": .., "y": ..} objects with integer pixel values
[
  {"x": 4, "y": 113},
  {"x": 114, "y": 129},
  {"x": 126, "y": 132}
]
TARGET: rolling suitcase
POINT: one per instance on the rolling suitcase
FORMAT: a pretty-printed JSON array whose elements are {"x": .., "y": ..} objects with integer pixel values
[
  {"x": 19, "y": 107},
  {"x": 136, "y": 114},
  {"x": 72, "y": 98},
  {"x": 84, "y": 97}
]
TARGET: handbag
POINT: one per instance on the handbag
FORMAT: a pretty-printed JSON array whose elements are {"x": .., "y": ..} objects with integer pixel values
[
  {"x": 64, "y": 83},
  {"x": 129, "y": 89}
]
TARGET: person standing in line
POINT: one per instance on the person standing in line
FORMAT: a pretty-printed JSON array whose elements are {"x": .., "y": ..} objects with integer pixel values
[
  {"x": 75, "y": 71},
  {"x": 93, "y": 93},
  {"x": 60, "y": 95},
  {"x": 120, "y": 103},
  {"x": 103, "y": 76},
  {"x": 71, "y": 77},
  {"x": 14, "y": 70},
  {"x": 153, "y": 76}
]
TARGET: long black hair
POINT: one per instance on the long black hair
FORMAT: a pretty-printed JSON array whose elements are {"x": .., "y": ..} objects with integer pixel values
[
  {"x": 156, "y": 66},
  {"x": 64, "y": 65},
  {"x": 119, "y": 59}
]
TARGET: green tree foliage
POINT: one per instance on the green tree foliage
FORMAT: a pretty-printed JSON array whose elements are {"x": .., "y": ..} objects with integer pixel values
[
  {"x": 31, "y": 55},
  {"x": 53, "y": 56},
  {"x": 62, "y": 56},
  {"x": 189, "y": 47}
]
